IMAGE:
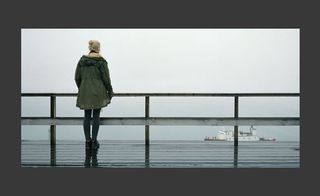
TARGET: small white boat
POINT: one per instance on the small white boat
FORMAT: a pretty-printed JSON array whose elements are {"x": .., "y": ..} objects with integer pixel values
[{"x": 242, "y": 136}]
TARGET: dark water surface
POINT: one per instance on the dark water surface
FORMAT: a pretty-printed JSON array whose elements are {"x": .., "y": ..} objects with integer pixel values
[{"x": 162, "y": 154}]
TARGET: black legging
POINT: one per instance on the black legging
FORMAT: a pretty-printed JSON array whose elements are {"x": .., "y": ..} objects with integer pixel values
[{"x": 95, "y": 125}]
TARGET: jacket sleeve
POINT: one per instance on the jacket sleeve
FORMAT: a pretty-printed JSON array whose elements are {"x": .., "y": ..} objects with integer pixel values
[
  {"x": 105, "y": 76},
  {"x": 77, "y": 75}
]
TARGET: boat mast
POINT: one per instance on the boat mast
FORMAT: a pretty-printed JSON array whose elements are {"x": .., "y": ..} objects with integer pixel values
[{"x": 251, "y": 128}]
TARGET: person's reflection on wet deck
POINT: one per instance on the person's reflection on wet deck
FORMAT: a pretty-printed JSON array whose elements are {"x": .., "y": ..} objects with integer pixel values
[{"x": 91, "y": 159}]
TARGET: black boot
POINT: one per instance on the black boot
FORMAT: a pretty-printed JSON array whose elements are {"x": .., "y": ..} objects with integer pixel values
[
  {"x": 88, "y": 143},
  {"x": 95, "y": 144}
]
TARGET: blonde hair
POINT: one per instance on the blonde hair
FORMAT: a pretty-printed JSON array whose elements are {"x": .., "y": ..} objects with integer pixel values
[{"x": 94, "y": 45}]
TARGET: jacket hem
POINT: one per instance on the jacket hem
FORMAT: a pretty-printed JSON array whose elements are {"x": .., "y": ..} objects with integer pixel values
[{"x": 88, "y": 108}]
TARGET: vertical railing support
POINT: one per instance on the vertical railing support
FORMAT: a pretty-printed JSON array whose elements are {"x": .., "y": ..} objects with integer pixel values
[
  {"x": 146, "y": 129},
  {"x": 236, "y": 112},
  {"x": 146, "y": 156},
  {"x": 53, "y": 155},
  {"x": 235, "y": 157},
  {"x": 52, "y": 115}
]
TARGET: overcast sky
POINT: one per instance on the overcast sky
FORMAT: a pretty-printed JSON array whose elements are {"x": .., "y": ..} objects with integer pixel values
[{"x": 165, "y": 60}]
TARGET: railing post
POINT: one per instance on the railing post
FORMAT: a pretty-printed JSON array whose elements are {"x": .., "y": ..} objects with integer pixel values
[
  {"x": 52, "y": 115},
  {"x": 53, "y": 155},
  {"x": 146, "y": 129},
  {"x": 236, "y": 110},
  {"x": 235, "y": 157},
  {"x": 146, "y": 156}
]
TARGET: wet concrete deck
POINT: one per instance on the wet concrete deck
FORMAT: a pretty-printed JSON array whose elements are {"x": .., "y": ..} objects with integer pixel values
[{"x": 161, "y": 154}]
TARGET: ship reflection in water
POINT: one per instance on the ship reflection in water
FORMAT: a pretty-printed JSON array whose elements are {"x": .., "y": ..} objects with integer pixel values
[{"x": 251, "y": 135}]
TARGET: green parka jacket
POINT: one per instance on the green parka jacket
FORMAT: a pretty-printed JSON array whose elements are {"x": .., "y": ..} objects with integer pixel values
[{"x": 93, "y": 82}]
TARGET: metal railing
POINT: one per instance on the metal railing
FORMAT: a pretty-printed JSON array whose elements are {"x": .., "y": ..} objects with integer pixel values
[{"x": 235, "y": 121}]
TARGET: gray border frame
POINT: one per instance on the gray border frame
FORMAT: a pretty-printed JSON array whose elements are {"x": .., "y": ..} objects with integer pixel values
[{"x": 241, "y": 14}]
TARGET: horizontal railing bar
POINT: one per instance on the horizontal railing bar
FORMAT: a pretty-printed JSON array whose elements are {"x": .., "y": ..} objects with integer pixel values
[
  {"x": 197, "y": 121},
  {"x": 171, "y": 94},
  {"x": 167, "y": 121}
]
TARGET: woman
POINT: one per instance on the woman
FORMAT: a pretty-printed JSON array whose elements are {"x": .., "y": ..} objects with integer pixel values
[{"x": 94, "y": 90}]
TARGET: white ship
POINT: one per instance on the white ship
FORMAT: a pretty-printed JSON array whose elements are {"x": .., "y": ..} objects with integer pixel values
[{"x": 229, "y": 136}]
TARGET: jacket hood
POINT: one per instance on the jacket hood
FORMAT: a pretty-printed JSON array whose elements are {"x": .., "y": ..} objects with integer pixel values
[{"x": 90, "y": 61}]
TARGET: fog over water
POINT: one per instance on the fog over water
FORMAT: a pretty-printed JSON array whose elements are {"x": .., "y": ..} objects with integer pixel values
[{"x": 165, "y": 61}]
